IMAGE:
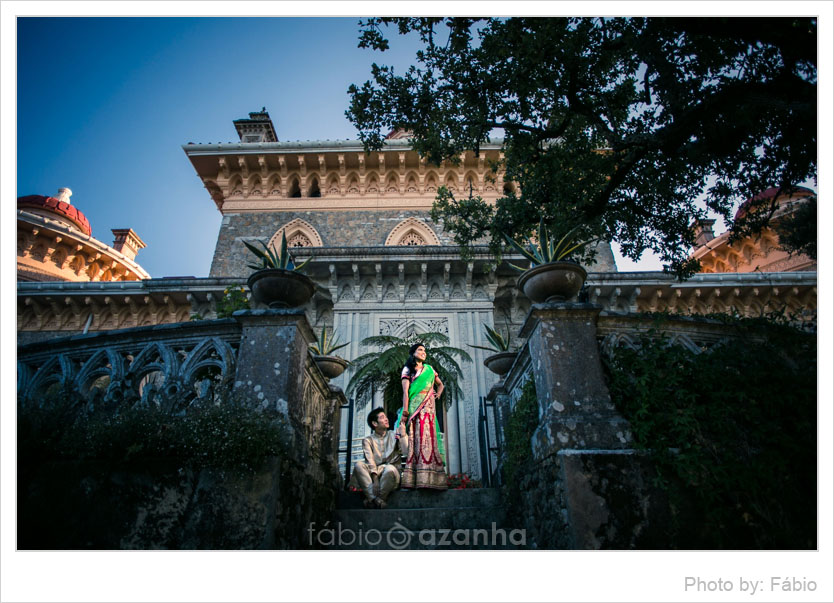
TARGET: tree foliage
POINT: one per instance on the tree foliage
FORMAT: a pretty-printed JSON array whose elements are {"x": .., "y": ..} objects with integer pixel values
[
  {"x": 615, "y": 125},
  {"x": 798, "y": 230}
]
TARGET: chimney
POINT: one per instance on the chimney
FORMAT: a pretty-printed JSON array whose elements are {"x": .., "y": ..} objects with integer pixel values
[
  {"x": 258, "y": 128},
  {"x": 64, "y": 195},
  {"x": 127, "y": 242},
  {"x": 703, "y": 232}
]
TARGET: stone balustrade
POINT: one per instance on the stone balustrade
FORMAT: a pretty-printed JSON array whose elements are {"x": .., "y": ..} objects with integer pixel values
[{"x": 258, "y": 358}]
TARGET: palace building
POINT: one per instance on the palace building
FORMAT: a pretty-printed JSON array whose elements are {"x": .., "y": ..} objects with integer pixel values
[
  {"x": 760, "y": 253},
  {"x": 55, "y": 243},
  {"x": 380, "y": 264}
]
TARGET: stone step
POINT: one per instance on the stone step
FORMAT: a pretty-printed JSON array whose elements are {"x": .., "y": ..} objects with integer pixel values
[
  {"x": 428, "y": 499},
  {"x": 420, "y": 519},
  {"x": 420, "y": 529},
  {"x": 472, "y": 518}
]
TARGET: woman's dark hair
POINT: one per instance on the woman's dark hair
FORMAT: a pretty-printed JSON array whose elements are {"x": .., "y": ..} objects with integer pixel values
[{"x": 411, "y": 363}]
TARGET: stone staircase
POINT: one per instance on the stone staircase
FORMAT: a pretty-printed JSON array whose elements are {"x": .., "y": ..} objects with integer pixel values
[{"x": 422, "y": 520}]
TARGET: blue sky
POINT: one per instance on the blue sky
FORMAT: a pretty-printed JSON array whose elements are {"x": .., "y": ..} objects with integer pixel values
[{"x": 104, "y": 105}]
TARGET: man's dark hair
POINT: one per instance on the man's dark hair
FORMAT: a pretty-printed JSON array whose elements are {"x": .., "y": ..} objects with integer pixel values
[{"x": 372, "y": 416}]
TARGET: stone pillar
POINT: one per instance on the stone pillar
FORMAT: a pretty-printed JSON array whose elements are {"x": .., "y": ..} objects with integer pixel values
[
  {"x": 599, "y": 492},
  {"x": 271, "y": 359},
  {"x": 575, "y": 408},
  {"x": 276, "y": 374}
]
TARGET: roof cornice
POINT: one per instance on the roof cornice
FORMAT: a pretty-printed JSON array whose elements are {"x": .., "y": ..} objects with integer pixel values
[{"x": 305, "y": 146}]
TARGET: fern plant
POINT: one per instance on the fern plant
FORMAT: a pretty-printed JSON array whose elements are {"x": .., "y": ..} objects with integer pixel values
[
  {"x": 381, "y": 370},
  {"x": 325, "y": 346},
  {"x": 268, "y": 258},
  {"x": 547, "y": 249},
  {"x": 498, "y": 343}
]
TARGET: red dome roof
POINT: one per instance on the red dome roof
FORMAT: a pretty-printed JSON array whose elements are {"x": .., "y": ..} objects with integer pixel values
[
  {"x": 767, "y": 194},
  {"x": 53, "y": 205}
]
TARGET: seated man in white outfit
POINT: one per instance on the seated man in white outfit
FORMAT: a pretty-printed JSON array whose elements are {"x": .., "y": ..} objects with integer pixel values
[{"x": 379, "y": 474}]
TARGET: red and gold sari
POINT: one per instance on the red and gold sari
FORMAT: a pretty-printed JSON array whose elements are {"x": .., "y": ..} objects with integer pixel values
[{"x": 424, "y": 466}]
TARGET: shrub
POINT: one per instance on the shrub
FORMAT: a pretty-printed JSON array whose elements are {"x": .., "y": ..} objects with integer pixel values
[
  {"x": 228, "y": 434},
  {"x": 732, "y": 430},
  {"x": 521, "y": 424}
]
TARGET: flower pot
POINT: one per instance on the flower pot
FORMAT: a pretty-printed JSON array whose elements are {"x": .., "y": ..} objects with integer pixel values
[
  {"x": 500, "y": 363},
  {"x": 330, "y": 366},
  {"x": 557, "y": 281},
  {"x": 280, "y": 288}
]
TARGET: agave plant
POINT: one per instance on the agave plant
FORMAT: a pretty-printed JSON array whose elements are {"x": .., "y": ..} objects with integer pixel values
[
  {"x": 498, "y": 343},
  {"x": 269, "y": 259},
  {"x": 382, "y": 370},
  {"x": 325, "y": 346},
  {"x": 547, "y": 249}
]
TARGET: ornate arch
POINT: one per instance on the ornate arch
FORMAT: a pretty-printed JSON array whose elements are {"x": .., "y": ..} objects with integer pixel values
[
  {"x": 273, "y": 186},
  {"x": 431, "y": 182},
  {"x": 333, "y": 185},
  {"x": 235, "y": 187},
  {"x": 300, "y": 233},
  {"x": 412, "y": 231}
]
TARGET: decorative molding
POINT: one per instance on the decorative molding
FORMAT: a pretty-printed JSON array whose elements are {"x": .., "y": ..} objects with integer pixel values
[
  {"x": 411, "y": 231},
  {"x": 300, "y": 233}
]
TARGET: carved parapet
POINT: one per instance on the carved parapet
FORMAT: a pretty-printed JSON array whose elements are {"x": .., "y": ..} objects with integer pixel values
[{"x": 174, "y": 367}]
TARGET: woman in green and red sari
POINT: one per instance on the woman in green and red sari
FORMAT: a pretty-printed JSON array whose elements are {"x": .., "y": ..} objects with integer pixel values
[{"x": 425, "y": 462}]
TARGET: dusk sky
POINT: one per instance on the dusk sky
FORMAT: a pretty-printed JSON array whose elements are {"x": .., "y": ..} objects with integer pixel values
[{"x": 105, "y": 105}]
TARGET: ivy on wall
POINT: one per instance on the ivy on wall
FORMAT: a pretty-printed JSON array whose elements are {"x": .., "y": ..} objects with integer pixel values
[
  {"x": 521, "y": 424},
  {"x": 732, "y": 430},
  {"x": 228, "y": 434}
]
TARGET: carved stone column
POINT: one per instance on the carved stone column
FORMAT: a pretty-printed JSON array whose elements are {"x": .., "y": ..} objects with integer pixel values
[
  {"x": 574, "y": 405},
  {"x": 276, "y": 374}
]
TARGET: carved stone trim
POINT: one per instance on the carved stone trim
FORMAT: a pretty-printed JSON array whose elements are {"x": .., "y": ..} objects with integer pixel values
[
  {"x": 300, "y": 233},
  {"x": 412, "y": 231}
]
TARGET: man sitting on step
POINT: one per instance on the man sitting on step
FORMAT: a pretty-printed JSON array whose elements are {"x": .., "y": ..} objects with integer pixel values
[{"x": 379, "y": 474}]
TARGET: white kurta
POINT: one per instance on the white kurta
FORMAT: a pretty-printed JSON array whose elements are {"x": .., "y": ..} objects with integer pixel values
[{"x": 383, "y": 458}]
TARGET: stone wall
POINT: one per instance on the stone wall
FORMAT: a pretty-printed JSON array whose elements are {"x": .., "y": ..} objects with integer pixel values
[
  {"x": 261, "y": 358},
  {"x": 336, "y": 228},
  {"x": 584, "y": 486}
]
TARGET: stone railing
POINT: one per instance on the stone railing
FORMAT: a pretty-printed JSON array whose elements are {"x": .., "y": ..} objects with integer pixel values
[
  {"x": 173, "y": 366},
  {"x": 694, "y": 333},
  {"x": 177, "y": 367}
]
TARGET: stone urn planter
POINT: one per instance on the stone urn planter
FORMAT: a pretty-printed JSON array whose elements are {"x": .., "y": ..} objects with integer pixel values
[
  {"x": 330, "y": 366},
  {"x": 556, "y": 281},
  {"x": 500, "y": 363},
  {"x": 279, "y": 288}
]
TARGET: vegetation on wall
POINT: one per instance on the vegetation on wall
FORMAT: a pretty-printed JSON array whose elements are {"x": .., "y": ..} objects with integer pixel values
[
  {"x": 732, "y": 430},
  {"x": 227, "y": 434},
  {"x": 518, "y": 454}
]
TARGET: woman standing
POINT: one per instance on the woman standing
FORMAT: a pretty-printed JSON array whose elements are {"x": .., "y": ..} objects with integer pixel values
[{"x": 424, "y": 465}]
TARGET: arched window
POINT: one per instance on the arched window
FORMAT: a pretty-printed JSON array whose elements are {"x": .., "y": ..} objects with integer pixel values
[
  {"x": 294, "y": 190},
  {"x": 412, "y": 231},
  {"x": 314, "y": 190},
  {"x": 300, "y": 233}
]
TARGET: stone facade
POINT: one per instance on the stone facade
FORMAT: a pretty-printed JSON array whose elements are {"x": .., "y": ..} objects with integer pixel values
[
  {"x": 760, "y": 253},
  {"x": 337, "y": 229}
]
